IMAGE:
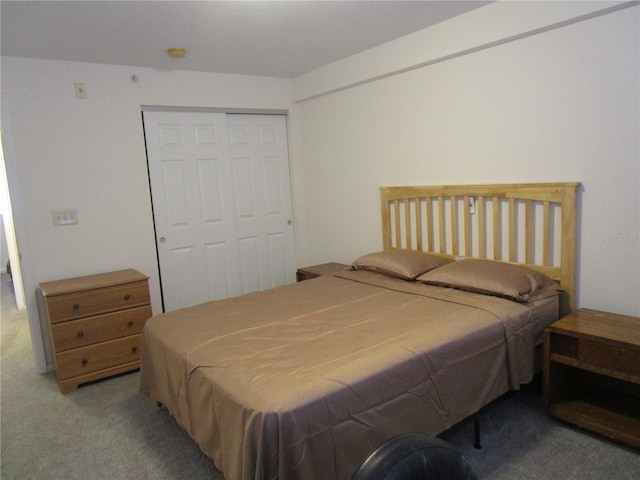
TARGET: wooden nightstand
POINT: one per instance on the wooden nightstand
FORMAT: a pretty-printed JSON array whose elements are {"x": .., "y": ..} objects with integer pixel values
[
  {"x": 307, "y": 273},
  {"x": 592, "y": 373}
]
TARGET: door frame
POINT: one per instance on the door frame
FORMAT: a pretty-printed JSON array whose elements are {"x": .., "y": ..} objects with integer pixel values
[{"x": 245, "y": 111}]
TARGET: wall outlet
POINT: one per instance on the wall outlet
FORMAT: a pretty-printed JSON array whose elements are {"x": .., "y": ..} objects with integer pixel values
[{"x": 65, "y": 216}]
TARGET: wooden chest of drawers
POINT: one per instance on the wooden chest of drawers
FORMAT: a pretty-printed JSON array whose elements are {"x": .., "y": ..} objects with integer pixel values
[{"x": 95, "y": 324}]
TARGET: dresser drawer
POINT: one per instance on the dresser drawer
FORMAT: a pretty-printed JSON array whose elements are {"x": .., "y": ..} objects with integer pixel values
[
  {"x": 89, "y": 359},
  {"x": 93, "y": 302},
  {"x": 617, "y": 359},
  {"x": 87, "y": 331}
]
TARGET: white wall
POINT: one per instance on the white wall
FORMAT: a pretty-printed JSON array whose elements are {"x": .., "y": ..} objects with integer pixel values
[
  {"x": 560, "y": 105},
  {"x": 90, "y": 155}
]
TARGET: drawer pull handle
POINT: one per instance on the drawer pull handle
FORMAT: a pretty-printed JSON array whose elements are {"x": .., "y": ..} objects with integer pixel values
[
  {"x": 127, "y": 297},
  {"x": 134, "y": 349},
  {"x": 76, "y": 306},
  {"x": 130, "y": 323},
  {"x": 80, "y": 334},
  {"x": 84, "y": 361}
]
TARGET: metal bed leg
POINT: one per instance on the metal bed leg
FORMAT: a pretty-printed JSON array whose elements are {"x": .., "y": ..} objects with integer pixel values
[{"x": 476, "y": 433}]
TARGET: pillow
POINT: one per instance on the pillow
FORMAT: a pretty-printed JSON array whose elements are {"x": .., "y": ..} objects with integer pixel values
[
  {"x": 405, "y": 264},
  {"x": 490, "y": 278}
]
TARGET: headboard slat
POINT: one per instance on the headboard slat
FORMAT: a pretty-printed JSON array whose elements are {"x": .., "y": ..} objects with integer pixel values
[
  {"x": 468, "y": 249},
  {"x": 407, "y": 223},
  {"x": 441, "y": 224},
  {"x": 430, "y": 227},
  {"x": 397, "y": 219},
  {"x": 482, "y": 231},
  {"x": 512, "y": 231},
  {"x": 454, "y": 225},
  {"x": 546, "y": 233},
  {"x": 529, "y": 235},
  {"x": 497, "y": 244}
]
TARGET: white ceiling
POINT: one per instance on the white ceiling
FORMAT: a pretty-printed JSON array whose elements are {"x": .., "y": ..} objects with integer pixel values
[{"x": 271, "y": 38}]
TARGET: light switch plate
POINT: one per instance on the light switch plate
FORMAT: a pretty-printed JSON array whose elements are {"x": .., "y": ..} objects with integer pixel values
[
  {"x": 81, "y": 90},
  {"x": 65, "y": 216}
]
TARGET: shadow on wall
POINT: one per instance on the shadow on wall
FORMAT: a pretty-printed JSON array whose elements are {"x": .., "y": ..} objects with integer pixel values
[{"x": 4, "y": 251}]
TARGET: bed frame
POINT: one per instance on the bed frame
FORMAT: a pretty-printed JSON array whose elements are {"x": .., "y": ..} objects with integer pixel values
[{"x": 530, "y": 224}]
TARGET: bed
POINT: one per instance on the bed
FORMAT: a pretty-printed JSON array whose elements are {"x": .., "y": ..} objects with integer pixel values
[{"x": 303, "y": 381}]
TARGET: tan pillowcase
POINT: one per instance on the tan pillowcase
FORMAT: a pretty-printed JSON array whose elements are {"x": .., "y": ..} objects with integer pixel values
[
  {"x": 490, "y": 278},
  {"x": 405, "y": 264}
]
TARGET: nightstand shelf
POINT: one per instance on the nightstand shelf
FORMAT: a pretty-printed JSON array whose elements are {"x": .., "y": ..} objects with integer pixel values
[{"x": 592, "y": 373}]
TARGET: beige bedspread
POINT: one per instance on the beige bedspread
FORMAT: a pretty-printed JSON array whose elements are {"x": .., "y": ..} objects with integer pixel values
[{"x": 302, "y": 381}]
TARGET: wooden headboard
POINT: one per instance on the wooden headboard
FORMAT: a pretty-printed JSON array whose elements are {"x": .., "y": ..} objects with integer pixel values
[{"x": 529, "y": 224}]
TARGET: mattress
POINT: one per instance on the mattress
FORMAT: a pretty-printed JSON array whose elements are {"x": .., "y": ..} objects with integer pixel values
[{"x": 304, "y": 380}]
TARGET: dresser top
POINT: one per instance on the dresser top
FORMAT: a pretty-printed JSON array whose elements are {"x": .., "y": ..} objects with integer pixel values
[{"x": 91, "y": 282}]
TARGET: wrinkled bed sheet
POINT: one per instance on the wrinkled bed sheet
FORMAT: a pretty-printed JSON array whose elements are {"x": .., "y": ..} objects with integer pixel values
[{"x": 303, "y": 381}]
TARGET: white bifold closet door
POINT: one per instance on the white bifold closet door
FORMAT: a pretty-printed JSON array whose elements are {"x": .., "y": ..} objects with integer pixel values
[{"x": 221, "y": 195}]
